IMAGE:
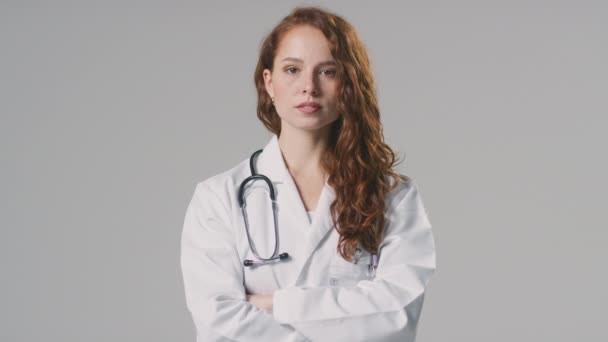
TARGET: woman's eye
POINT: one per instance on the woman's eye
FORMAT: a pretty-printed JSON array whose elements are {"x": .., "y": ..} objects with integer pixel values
[
  {"x": 327, "y": 72},
  {"x": 332, "y": 72}
]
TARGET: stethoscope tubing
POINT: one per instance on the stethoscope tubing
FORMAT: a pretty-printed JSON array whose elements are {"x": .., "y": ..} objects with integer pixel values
[{"x": 255, "y": 176}]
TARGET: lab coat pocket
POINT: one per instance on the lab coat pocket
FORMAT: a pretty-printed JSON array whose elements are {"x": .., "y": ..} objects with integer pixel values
[{"x": 348, "y": 273}]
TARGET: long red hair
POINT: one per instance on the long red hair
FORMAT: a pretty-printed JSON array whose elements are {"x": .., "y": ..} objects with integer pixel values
[{"x": 358, "y": 163}]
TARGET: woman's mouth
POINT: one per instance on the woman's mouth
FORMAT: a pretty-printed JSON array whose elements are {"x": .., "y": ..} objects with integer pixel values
[{"x": 308, "y": 109}]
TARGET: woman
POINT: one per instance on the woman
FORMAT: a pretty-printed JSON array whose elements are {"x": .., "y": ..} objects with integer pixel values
[{"x": 356, "y": 268}]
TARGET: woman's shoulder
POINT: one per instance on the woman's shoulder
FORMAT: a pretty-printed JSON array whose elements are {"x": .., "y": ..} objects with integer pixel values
[
  {"x": 405, "y": 192},
  {"x": 224, "y": 183},
  {"x": 405, "y": 210}
]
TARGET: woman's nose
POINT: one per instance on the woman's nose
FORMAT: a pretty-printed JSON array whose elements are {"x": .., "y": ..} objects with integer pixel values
[{"x": 309, "y": 85}]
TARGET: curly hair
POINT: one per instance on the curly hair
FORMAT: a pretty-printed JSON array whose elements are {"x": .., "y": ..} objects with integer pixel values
[{"x": 358, "y": 163}]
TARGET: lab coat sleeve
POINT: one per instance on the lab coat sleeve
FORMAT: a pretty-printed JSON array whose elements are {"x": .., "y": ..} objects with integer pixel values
[
  {"x": 213, "y": 278},
  {"x": 407, "y": 261}
]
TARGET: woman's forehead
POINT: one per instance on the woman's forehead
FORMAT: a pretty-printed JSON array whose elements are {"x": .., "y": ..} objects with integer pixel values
[{"x": 304, "y": 44}]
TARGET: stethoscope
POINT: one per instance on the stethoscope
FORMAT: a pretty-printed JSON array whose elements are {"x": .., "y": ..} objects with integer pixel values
[
  {"x": 254, "y": 176},
  {"x": 371, "y": 269}
]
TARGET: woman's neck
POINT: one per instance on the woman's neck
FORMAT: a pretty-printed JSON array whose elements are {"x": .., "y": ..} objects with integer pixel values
[{"x": 303, "y": 150}]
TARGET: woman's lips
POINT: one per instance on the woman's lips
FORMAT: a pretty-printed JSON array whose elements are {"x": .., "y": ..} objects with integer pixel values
[{"x": 308, "y": 109}]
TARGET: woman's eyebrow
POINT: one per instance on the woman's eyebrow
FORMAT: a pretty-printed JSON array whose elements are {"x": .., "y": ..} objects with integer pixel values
[{"x": 297, "y": 60}]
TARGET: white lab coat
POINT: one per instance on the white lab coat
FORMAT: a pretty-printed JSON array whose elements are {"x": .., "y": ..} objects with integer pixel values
[{"x": 318, "y": 296}]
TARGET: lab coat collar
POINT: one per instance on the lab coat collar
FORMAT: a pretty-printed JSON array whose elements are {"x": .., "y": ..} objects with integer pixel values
[{"x": 271, "y": 163}]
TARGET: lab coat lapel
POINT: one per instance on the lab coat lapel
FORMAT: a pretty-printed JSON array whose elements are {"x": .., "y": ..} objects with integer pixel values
[
  {"x": 291, "y": 208},
  {"x": 321, "y": 226},
  {"x": 272, "y": 165}
]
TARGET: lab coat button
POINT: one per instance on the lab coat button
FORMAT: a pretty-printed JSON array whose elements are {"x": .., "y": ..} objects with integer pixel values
[{"x": 333, "y": 281}]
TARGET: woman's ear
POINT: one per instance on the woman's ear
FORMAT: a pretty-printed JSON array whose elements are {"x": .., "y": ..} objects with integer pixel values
[{"x": 268, "y": 82}]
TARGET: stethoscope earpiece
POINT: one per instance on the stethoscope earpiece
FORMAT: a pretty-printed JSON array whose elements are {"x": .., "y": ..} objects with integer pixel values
[{"x": 249, "y": 262}]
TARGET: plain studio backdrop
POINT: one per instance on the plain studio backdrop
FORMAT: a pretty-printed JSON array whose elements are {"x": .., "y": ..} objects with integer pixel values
[{"x": 112, "y": 112}]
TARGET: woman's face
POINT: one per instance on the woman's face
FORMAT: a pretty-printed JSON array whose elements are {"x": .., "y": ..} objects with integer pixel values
[{"x": 304, "y": 71}]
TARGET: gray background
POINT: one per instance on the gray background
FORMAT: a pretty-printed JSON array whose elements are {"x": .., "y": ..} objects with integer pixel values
[{"x": 112, "y": 112}]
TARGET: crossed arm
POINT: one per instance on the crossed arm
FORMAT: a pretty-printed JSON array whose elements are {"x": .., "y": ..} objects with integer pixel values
[{"x": 261, "y": 301}]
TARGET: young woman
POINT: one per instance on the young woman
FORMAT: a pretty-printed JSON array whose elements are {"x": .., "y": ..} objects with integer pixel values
[{"x": 345, "y": 250}]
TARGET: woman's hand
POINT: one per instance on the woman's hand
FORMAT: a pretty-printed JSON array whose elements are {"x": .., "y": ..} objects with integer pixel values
[{"x": 261, "y": 301}]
